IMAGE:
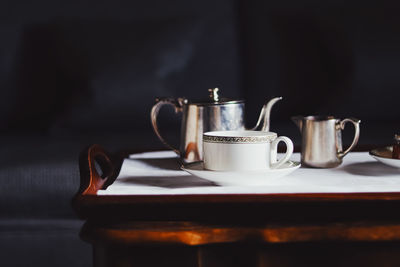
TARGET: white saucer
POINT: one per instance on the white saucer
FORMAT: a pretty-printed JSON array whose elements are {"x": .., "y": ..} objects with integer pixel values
[
  {"x": 384, "y": 155},
  {"x": 244, "y": 178}
]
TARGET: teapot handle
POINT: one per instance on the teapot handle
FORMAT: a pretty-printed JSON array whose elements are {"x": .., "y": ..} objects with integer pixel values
[
  {"x": 177, "y": 104},
  {"x": 356, "y": 123}
]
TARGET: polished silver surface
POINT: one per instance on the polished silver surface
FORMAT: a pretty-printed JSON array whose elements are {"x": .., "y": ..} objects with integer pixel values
[
  {"x": 200, "y": 117},
  {"x": 214, "y": 94},
  {"x": 322, "y": 140}
]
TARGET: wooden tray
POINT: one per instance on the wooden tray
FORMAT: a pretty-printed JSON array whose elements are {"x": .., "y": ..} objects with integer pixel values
[
  {"x": 204, "y": 219},
  {"x": 217, "y": 207}
]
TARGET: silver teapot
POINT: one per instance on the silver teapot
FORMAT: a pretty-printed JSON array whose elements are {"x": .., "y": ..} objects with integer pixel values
[{"x": 214, "y": 114}]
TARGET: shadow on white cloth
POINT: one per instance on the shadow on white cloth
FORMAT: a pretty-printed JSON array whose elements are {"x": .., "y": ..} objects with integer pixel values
[
  {"x": 168, "y": 181},
  {"x": 371, "y": 168},
  {"x": 162, "y": 170}
]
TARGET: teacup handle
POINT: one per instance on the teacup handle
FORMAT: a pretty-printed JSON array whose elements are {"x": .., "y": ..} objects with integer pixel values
[
  {"x": 356, "y": 123},
  {"x": 274, "y": 151},
  {"x": 177, "y": 104}
]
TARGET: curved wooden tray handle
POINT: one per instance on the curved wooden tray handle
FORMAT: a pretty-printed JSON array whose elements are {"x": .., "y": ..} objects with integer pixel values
[{"x": 98, "y": 169}]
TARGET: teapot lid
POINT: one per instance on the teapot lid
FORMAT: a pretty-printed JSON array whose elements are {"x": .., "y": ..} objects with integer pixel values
[{"x": 214, "y": 99}]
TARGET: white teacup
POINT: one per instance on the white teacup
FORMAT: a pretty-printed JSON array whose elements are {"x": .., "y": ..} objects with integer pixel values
[{"x": 243, "y": 150}]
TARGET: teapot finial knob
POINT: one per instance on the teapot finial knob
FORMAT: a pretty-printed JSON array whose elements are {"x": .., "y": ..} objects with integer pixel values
[{"x": 214, "y": 94}]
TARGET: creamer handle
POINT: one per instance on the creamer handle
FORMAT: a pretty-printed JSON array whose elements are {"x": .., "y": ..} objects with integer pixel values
[{"x": 356, "y": 123}]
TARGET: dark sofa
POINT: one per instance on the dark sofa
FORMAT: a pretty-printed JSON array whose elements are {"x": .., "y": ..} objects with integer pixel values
[{"x": 74, "y": 73}]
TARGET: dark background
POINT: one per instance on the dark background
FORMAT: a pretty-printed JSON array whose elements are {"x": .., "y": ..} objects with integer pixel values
[{"x": 74, "y": 73}]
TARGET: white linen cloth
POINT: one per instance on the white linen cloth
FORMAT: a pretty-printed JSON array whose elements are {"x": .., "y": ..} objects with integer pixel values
[{"x": 158, "y": 173}]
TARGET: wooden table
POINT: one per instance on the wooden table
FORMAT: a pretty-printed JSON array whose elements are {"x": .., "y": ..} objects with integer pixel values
[{"x": 335, "y": 229}]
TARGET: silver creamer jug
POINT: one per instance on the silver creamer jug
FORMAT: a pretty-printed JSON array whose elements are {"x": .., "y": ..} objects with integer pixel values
[
  {"x": 322, "y": 140},
  {"x": 214, "y": 114}
]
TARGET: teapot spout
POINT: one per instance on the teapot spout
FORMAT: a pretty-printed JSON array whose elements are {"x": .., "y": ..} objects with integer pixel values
[
  {"x": 298, "y": 120},
  {"x": 265, "y": 115}
]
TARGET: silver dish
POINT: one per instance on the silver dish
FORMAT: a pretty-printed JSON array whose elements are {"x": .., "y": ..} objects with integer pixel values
[{"x": 384, "y": 155}]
